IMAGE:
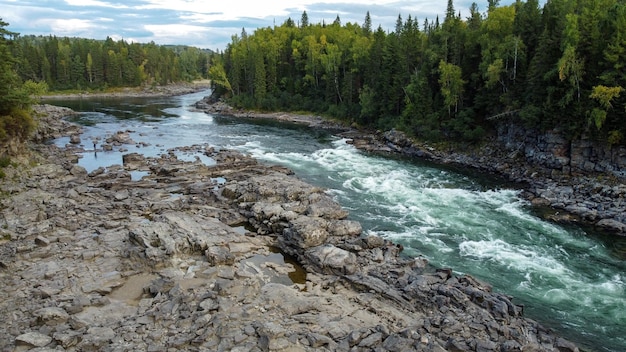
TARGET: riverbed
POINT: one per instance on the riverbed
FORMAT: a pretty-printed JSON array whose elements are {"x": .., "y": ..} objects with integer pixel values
[{"x": 570, "y": 279}]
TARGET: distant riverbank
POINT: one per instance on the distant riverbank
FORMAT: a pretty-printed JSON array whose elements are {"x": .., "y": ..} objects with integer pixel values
[{"x": 145, "y": 91}]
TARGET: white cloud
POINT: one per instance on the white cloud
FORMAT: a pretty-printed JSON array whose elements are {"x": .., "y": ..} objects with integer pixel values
[
  {"x": 95, "y": 3},
  {"x": 176, "y": 30},
  {"x": 202, "y": 23}
]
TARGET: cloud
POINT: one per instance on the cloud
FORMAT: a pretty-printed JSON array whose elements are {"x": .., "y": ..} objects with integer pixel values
[{"x": 201, "y": 23}]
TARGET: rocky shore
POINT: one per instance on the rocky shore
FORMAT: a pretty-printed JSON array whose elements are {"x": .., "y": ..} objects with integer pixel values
[
  {"x": 233, "y": 256},
  {"x": 147, "y": 91},
  {"x": 582, "y": 184}
]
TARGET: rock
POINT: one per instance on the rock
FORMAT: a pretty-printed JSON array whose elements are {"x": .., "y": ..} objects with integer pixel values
[
  {"x": 96, "y": 338},
  {"x": 97, "y": 172},
  {"x": 565, "y": 346},
  {"x": 305, "y": 232},
  {"x": 78, "y": 171},
  {"x": 326, "y": 208},
  {"x": 121, "y": 195},
  {"x": 332, "y": 260},
  {"x": 344, "y": 228},
  {"x": 612, "y": 225},
  {"x": 42, "y": 241},
  {"x": 120, "y": 137},
  {"x": 133, "y": 161},
  {"x": 75, "y": 139},
  {"x": 318, "y": 340},
  {"x": 51, "y": 316},
  {"x": 67, "y": 339},
  {"x": 218, "y": 255},
  {"x": 33, "y": 339}
]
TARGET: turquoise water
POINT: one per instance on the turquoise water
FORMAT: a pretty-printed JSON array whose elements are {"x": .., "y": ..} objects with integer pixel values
[{"x": 569, "y": 279}]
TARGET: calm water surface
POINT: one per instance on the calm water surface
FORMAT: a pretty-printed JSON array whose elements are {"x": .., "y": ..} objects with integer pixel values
[{"x": 570, "y": 279}]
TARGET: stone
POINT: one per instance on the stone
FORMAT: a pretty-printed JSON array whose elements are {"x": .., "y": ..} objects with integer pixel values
[
  {"x": 613, "y": 225},
  {"x": 343, "y": 228},
  {"x": 33, "y": 339},
  {"x": 67, "y": 339},
  {"x": 318, "y": 340},
  {"x": 96, "y": 338},
  {"x": 219, "y": 255},
  {"x": 78, "y": 171},
  {"x": 132, "y": 161},
  {"x": 565, "y": 346},
  {"x": 331, "y": 259},
  {"x": 75, "y": 139},
  {"x": 51, "y": 316},
  {"x": 42, "y": 241},
  {"x": 306, "y": 232}
]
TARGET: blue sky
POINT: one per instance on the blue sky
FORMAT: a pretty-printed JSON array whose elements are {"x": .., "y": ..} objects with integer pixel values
[{"x": 201, "y": 23}]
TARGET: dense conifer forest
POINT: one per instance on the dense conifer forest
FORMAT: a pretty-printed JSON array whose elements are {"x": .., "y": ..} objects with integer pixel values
[
  {"x": 557, "y": 66},
  {"x": 77, "y": 63}
]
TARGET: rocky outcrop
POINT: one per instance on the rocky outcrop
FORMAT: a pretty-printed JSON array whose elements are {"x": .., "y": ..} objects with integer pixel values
[
  {"x": 197, "y": 257},
  {"x": 214, "y": 105},
  {"x": 569, "y": 156}
]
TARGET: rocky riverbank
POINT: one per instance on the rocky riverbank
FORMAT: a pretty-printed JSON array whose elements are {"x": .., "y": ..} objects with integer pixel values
[
  {"x": 591, "y": 193},
  {"x": 198, "y": 257},
  {"x": 147, "y": 91}
]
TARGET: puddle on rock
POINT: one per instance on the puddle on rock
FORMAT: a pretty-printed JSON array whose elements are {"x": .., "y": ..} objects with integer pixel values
[
  {"x": 299, "y": 275},
  {"x": 277, "y": 267},
  {"x": 243, "y": 228},
  {"x": 193, "y": 157},
  {"x": 132, "y": 290},
  {"x": 138, "y": 175}
]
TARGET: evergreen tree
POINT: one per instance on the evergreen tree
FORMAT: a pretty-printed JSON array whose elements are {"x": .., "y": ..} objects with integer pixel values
[
  {"x": 367, "y": 25},
  {"x": 304, "y": 20},
  {"x": 15, "y": 119}
]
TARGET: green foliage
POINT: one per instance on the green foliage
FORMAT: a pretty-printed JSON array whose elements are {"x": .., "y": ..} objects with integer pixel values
[
  {"x": 615, "y": 137},
  {"x": 4, "y": 162},
  {"x": 559, "y": 66},
  {"x": 217, "y": 75},
  {"x": 605, "y": 95},
  {"x": 77, "y": 63},
  {"x": 15, "y": 119},
  {"x": 17, "y": 124}
]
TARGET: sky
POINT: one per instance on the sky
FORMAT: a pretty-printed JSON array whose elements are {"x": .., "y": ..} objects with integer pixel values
[{"x": 206, "y": 24}]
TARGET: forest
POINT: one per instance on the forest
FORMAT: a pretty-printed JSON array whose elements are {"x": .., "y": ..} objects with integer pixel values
[
  {"x": 559, "y": 66},
  {"x": 33, "y": 65},
  {"x": 81, "y": 64}
]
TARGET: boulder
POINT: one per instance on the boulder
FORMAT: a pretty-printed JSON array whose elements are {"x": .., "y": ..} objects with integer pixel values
[
  {"x": 332, "y": 260},
  {"x": 51, "y": 316},
  {"x": 305, "y": 232},
  {"x": 612, "y": 225},
  {"x": 33, "y": 339}
]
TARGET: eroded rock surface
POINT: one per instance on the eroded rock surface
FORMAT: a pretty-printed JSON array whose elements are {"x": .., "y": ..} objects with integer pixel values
[{"x": 99, "y": 262}]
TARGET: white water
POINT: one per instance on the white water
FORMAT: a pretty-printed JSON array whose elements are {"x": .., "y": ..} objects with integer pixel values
[{"x": 569, "y": 280}]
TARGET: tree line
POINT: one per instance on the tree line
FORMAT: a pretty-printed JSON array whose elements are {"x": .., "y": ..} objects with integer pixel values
[
  {"x": 78, "y": 63},
  {"x": 560, "y": 66}
]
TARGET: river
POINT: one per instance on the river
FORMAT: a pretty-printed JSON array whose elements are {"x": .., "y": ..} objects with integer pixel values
[{"x": 569, "y": 278}]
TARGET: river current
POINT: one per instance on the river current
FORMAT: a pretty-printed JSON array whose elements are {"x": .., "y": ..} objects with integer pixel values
[{"x": 569, "y": 278}]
